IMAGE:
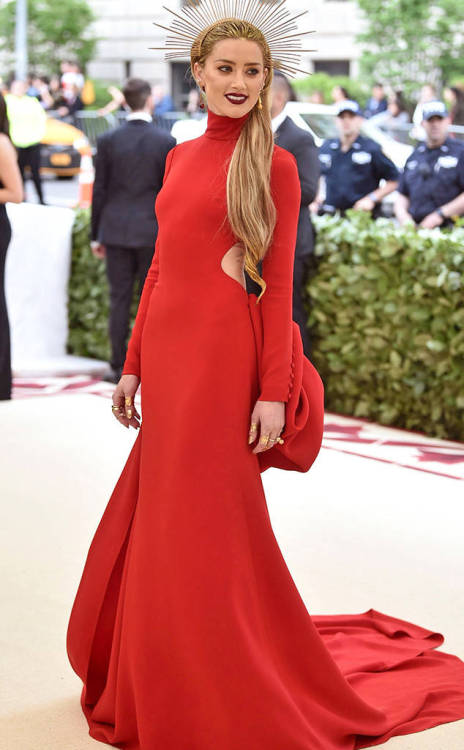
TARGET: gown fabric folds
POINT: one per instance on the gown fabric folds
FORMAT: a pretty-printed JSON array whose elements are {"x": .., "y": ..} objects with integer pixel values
[{"x": 187, "y": 629}]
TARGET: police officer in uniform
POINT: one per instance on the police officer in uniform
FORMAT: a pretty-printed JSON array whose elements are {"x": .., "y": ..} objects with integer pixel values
[
  {"x": 431, "y": 188},
  {"x": 353, "y": 166}
]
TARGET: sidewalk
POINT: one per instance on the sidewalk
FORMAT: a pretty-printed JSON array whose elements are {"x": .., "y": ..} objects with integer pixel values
[{"x": 377, "y": 522}]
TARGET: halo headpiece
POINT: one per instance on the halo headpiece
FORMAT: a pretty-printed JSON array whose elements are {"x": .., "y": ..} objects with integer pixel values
[{"x": 268, "y": 16}]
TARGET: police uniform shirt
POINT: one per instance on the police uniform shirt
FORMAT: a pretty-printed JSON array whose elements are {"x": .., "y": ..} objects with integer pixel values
[
  {"x": 353, "y": 174},
  {"x": 432, "y": 177}
]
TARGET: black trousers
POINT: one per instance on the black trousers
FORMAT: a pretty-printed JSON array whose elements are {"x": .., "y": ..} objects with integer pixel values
[
  {"x": 124, "y": 265},
  {"x": 301, "y": 268},
  {"x": 5, "y": 353},
  {"x": 29, "y": 156}
]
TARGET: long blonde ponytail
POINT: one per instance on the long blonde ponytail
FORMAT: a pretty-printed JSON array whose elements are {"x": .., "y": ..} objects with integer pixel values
[{"x": 250, "y": 208}]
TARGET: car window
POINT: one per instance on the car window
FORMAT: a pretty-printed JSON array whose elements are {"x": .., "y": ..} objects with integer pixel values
[{"x": 322, "y": 125}]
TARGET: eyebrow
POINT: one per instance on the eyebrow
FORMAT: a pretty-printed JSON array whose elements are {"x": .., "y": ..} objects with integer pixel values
[{"x": 222, "y": 59}]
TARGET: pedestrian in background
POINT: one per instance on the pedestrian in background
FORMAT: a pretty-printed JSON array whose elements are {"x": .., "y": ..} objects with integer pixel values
[
  {"x": 129, "y": 170},
  {"x": 71, "y": 77},
  {"x": 394, "y": 119},
  {"x": 353, "y": 166},
  {"x": 339, "y": 94},
  {"x": 428, "y": 93},
  {"x": 456, "y": 98},
  {"x": 377, "y": 102},
  {"x": 67, "y": 112},
  {"x": 431, "y": 188},
  {"x": 11, "y": 190},
  {"x": 27, "y": 127},
  {"x": 317, "y": 97},
  {"x": 301, "y": 144},
  {"x": 162, "y": 100}
]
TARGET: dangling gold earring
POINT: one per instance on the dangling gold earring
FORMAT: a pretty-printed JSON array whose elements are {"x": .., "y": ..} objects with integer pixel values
[
  {"x": 260, "y": 104},
  {"x": 201, "y": 104}
]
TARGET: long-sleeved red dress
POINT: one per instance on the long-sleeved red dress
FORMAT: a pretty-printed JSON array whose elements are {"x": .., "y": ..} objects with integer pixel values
[{"x": 187, "y": 629}]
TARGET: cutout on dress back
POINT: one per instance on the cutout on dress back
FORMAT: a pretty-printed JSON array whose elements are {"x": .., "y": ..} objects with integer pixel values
[{"x": 233, "y": 264}]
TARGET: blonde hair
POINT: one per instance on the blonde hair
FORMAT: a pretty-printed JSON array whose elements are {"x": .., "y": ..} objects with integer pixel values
[{"x": 250, "y": 208}]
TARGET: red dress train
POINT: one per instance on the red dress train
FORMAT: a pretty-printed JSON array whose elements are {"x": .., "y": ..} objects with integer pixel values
[{"x": 187, "y": 629}]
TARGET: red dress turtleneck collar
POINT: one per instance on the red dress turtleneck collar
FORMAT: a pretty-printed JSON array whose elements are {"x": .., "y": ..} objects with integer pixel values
[{"x": 223, "y": 127}]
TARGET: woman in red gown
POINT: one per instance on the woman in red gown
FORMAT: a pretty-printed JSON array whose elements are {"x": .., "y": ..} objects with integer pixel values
[{"x": 187, "y": 629}]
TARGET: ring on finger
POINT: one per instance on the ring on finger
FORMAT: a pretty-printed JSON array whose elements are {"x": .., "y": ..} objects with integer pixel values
[{"x": 264, "y": 439}]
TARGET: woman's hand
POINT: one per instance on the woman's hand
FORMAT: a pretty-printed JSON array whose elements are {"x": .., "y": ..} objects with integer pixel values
[
  {"x": 267, "y": 422},
  {"x": 123, "y": 401}
]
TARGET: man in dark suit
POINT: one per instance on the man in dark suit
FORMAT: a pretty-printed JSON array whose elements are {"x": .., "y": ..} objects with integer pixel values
[
  {"x": 129, "y": 171},
  {"x": 301, "y": 144}
]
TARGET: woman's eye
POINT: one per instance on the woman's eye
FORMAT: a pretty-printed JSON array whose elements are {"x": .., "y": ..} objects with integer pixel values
[{"x": 253, "y": 70}]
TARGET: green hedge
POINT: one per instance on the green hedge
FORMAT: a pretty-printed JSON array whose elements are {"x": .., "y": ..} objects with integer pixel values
[
  {"x": 324, "y": 82},
  {"x": 386, "y": 310},
  {"x": 88, "y": 296}
]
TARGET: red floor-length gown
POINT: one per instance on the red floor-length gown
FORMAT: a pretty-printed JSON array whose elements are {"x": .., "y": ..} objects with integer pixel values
[{"x": 187, "y": 628}]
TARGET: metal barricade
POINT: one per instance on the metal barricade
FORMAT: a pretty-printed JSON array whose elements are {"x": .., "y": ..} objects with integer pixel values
[{"x": 93, "y": 124}]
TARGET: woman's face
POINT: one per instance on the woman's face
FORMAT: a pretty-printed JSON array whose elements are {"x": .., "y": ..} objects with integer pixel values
[
  {"x": 393, "y": 107},
  {"x": 234, "y": 66}
]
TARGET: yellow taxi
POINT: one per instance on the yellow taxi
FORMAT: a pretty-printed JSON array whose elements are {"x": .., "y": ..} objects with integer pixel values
[{"x": 62, "y": 146}]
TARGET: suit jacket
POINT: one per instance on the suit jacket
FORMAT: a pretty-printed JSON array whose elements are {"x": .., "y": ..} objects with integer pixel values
[
  {"x": 301, "y": 144},
  {"x": 129, "y": 170}
]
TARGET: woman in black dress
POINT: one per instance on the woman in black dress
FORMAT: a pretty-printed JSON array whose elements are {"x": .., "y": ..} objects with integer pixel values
[{"x": 11, "y": 190}]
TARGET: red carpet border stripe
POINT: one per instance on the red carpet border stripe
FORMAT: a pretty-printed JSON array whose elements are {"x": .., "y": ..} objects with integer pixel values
[{"x": 356, "y": 437}]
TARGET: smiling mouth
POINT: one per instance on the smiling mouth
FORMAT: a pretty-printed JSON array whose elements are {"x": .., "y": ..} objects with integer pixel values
[{"x": 236, "y": 98}]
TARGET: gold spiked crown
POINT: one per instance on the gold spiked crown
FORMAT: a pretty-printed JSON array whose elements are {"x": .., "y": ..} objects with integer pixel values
[{"x": 268, "y": 16}]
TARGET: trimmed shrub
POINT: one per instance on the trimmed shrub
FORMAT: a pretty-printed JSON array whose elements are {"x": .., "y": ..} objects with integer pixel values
[
  {"x": 88, "y": 296},
  {"x": 387, "y": 318},
  {"x": 386, "y": 312}
]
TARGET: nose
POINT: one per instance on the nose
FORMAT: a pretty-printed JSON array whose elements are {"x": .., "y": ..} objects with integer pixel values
[{"x": 238, "y": 83}]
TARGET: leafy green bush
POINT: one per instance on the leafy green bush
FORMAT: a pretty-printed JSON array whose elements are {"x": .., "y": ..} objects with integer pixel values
[
  {"x": 386, "y": 309},
  {"x": 324, "y": 82},
  {"x": 88, "y": 296}
]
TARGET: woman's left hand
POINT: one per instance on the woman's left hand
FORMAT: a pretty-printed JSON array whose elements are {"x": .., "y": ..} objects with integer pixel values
[{"x": 267, "y": 422}]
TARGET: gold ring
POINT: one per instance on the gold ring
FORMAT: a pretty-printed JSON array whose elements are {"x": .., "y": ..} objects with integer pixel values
[
  {"x": 280, "y": 440},
  {"x": 115, "y": 408},
  {"x": 264, "y": 439},
  {"x": 128, "y": 400}
]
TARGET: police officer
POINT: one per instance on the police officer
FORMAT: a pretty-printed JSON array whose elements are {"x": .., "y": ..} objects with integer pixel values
[
  {"x": 431, "y": 188},
  {"x": 353, "y": 166}
]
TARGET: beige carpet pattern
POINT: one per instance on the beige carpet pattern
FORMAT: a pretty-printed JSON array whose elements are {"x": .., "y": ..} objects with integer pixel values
[{"x": 356, "y": 533}]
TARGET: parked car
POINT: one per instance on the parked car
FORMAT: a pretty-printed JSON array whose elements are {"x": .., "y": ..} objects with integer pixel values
[
  {"x": 320, "y": 120},
  {"x": 62, "y": 146}
]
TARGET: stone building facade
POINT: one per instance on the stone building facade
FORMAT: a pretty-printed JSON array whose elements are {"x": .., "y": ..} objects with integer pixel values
[{"x": 126, "y": 32}]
